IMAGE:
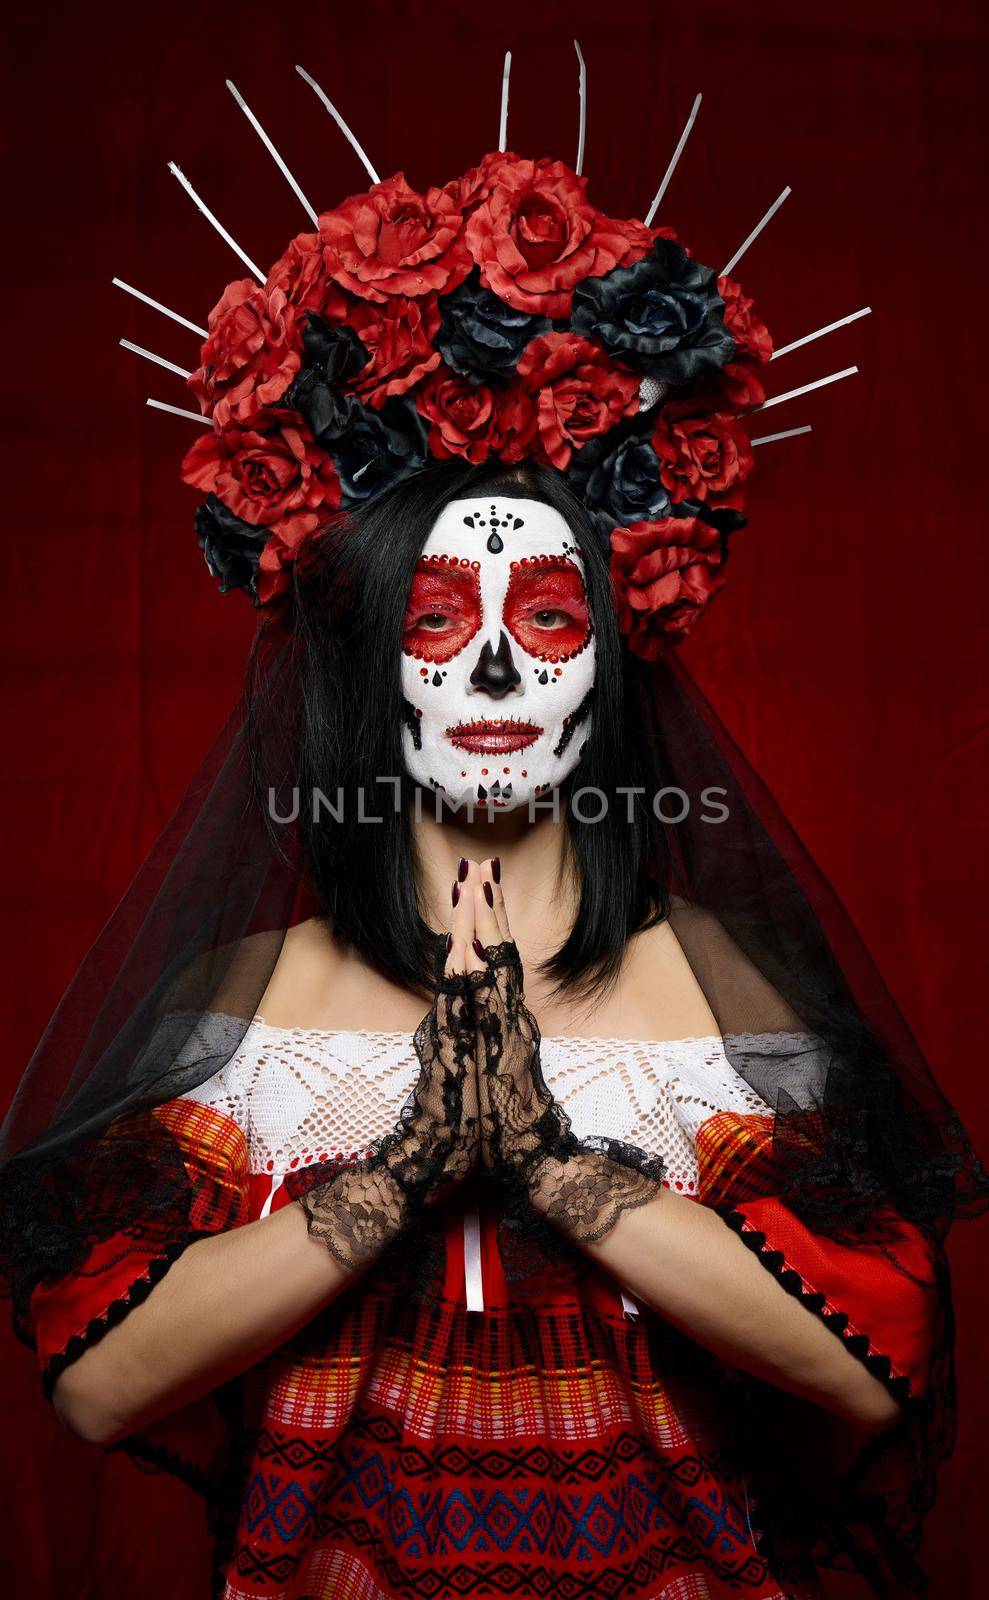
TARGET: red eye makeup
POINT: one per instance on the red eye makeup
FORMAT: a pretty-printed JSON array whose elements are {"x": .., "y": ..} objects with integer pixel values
[
  {"x": 443, "y": 612},
  {"x": 546, "y": 608}
]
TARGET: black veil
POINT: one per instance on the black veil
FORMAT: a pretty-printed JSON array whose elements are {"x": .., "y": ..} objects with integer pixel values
[{"x": 862, "y": 1135}]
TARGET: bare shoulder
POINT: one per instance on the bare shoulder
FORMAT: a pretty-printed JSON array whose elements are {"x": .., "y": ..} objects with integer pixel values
[
  {"x": 655, "y": 996},
  {"x": 228, "y": 978},
  {"x": 321, "y": 982},
  {"x": 660, "y": 983},
  {"x": 747, "y": 999}
]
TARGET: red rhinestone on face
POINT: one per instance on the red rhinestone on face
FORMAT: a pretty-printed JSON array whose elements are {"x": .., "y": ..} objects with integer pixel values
[{"x": 442, "y": 584}]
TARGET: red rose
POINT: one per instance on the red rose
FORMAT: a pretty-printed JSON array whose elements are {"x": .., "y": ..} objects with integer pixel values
[
  {"x": 701, "y": 457},
  {"x": 474, "y": 420},
  {"x": 468, "y": 192},
  {"x": 537, "y": 235},
  {"x": 251, "y": 353},
  {"x": 398, "y": 338},
  {"x": 578, "y": 390},
  {"x": 273, "y": 475},
  {"x": 393, "y": 241},
  {"x": 300, "y": 273},
  {"x": 517, "y": 421},
  {"x": 741, "y": 385},
  {"x": 752, "y": 339},
  {"x": 664, "y": 575}
]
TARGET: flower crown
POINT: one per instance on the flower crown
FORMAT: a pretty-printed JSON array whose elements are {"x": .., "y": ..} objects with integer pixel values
[{"x": 500, "y": 317}]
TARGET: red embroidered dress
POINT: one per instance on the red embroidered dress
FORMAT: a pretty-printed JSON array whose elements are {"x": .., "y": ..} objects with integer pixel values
[{"x": 439, "y": 1430}]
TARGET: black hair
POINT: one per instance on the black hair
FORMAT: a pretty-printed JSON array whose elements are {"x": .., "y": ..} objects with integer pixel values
[{"x": 347, "y": 615}]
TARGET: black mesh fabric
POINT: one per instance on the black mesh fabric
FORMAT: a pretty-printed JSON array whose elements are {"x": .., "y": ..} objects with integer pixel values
[
  {"x": 160, "y": 1004},
  {"x": 863, "y": 1135}
]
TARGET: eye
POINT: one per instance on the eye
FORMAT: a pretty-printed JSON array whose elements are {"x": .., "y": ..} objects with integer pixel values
[
  {"x": 442, "y": 614},
  {"x": 551, "y": 619},
  {"x": 546, "y": 608},
  {"x": 433, "y": 621}
]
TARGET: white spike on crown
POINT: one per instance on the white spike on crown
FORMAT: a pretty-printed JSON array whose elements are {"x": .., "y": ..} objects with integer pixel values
[
  {"x": 753, "y": 236},
  {"x": 177, "y": 172},
  {"x": 506, "y": 74},
  {"x": 678, "y": 152},
  {"x": 582, "y": 122},
  {"x": 344, "y": 128},
  {"x": 280, "y": 164}
]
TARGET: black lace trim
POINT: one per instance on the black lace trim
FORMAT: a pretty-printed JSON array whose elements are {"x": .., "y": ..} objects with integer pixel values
[
  {"x": 881, "y": 1367},
  {"x": 155, "y": 1455},
  {"x": 115, "y": 1313}
]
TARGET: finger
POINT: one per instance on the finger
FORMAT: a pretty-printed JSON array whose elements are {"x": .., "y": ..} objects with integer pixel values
[
  {"x": 470, "y": 888},
  {"x": 485, "y": 921},
  {"x": 491, "y": 874},
  {"x": 456, "y": 956},
  {"x": 462, "y": 896}
]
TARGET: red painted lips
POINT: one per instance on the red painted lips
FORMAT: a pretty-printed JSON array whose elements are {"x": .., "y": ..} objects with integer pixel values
[{"x": 493, "y": 737}]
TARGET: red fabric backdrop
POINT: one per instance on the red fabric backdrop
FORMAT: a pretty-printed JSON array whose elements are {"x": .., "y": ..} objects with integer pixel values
[{"x": 845, "y": 655}]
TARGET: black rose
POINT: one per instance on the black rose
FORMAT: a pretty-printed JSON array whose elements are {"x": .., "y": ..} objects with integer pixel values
[
  {"x": 331, "y": 354},
  {"x": 378, "y": 448},
  {"x": 480, "y": 336},
  {"x": 618, "y": 476},
  {"x": 326, "y": 412},
  {"x": 232, "y": 548},
  {"x": 332, "y": 350},
  {"x": 724, "y": 518},
  {"x": 663, "y": 315}
]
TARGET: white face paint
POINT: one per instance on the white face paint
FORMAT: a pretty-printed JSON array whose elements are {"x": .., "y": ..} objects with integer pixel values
[{"x": 498, "y": 657}]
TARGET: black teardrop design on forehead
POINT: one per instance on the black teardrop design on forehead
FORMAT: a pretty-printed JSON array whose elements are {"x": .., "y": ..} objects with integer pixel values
[{"x": 494, "y": 520}]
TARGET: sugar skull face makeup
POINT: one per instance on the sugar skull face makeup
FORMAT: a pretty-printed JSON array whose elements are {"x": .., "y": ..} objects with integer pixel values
[{"x": 498, "y": 660}]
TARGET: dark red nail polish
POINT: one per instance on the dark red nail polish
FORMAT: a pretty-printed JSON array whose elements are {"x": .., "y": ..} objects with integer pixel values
[
  {"x": 449, "y": 943},
  {"x": 456, "y": 894},
  {"x": 488, "y": 893},
  {"x": 479, "y": 949},
  {"x": 496, "y": 868},
  {"x": 462, "y": 869}
]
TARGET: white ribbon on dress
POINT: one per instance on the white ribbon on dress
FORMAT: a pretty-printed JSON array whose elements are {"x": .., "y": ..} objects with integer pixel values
[{"x": 473, "y": 1277}]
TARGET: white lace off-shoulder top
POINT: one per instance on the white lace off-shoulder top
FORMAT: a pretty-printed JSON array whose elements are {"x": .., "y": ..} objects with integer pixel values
[{"x": 302, "y": 1095}]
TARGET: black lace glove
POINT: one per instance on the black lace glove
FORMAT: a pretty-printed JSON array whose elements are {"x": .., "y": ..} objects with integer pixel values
[
  {"x": 358, "y": 1212},
  {"x": 582, "y": 1186}
]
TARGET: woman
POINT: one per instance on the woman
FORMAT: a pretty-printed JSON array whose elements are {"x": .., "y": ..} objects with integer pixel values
[{"x": 423, "y": 1305}]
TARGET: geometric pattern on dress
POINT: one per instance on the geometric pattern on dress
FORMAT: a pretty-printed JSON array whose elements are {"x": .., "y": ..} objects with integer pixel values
[
  {"x": 589, "y": 1523},
  {"x": 280, "y": 1509},
  {"x": 576, "y": 1512}
]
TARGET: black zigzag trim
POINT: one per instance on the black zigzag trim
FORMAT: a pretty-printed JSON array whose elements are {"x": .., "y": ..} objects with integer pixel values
[
  {"x": 142, "y": 1450},
  {"x": 115, "y": 1312},
  {"x": 837, "y": 1321}
]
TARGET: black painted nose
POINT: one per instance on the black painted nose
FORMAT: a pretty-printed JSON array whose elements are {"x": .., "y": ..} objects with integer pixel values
[{"x": 495, "y": 672}]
